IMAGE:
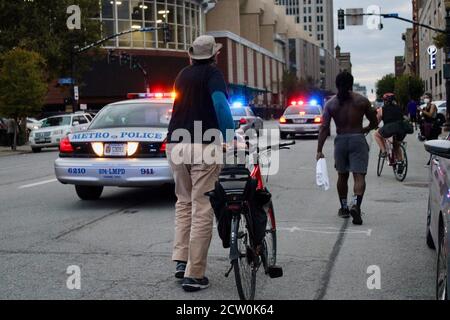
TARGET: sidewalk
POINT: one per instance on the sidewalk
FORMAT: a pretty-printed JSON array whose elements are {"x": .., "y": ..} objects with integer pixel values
[{"x": 6, "y": 151}]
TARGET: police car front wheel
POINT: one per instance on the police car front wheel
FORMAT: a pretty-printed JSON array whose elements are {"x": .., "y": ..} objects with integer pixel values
[{"x": 89, "y": 192}]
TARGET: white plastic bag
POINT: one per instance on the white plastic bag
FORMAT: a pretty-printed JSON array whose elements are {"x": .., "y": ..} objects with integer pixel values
[{"x": 323, "y": 181}]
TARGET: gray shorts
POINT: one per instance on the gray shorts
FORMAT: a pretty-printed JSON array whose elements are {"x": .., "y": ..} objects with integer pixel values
[{"x": 351, "y": 153}]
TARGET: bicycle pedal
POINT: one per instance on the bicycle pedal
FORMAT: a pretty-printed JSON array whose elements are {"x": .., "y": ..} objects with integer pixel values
[{"x": 275, "y": 272}]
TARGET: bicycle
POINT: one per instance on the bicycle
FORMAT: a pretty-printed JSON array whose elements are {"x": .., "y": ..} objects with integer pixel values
[
  {"x": 400, "y": 167},
  {"x": 241, "y": 187}
]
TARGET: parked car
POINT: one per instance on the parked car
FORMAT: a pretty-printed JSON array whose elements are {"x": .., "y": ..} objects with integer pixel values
[
  {"x": 437, "y": 233},
  {"x": 245, "y": 118},
  {"x": 33, "y": 124},
  {"x": 54, "y": 129}
]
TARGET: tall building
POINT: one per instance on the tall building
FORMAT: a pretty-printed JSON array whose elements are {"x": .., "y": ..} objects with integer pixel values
[
  {"x": 399, "y": 66},
  {"x": 432, "y": 13},
  {"x": 362, "y": 90},
  {"x": 410, "y": 63},
  {"x": 316, "y": 18},
  {"x": 345, "y": 60}
]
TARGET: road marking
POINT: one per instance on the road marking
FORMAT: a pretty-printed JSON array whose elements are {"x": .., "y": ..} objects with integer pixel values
[
  {"x": 328, "y": 230},
  {"x": 37, "y": 184}
]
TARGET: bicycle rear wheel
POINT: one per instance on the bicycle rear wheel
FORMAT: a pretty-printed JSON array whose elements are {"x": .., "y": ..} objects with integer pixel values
[
  {"x": 270, "y": 240},
  {"x": 400, "y": 175},
  {"x": 244, "y": 266},
  {"x": 381, "y": 161}
]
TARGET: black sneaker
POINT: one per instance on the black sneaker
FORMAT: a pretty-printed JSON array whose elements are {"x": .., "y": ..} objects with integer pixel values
[
  {"x": 180, "y": 270},
  {"x": 344, "y": 213},
  {"x": 193, "y": 285},
  {"x": 355, "y": 212}
]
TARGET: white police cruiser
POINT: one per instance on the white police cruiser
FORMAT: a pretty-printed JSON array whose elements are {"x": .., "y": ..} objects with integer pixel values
[{"x": 124, "y": 146}]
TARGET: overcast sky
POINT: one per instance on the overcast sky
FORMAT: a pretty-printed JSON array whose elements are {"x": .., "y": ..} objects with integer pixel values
[{"x": 373, "y": 51}]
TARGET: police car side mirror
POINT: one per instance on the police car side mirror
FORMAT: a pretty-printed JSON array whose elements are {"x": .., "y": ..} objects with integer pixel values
[{"x": 440, "y": 148}]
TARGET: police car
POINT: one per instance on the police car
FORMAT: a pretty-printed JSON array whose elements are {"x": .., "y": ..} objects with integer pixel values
[{"x": 124, "y": 146}]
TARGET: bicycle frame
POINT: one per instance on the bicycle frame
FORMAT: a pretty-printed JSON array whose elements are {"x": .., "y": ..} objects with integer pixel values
[{"x": 389, "y": 143}]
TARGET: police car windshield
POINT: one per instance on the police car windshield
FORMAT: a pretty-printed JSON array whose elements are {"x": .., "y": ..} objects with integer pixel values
[
  {"x": 238, "y": 112},
  {"x": 56, "y": 122},
  {"x": 309, "y": 110},
  {"x": 133, "y": 115}
]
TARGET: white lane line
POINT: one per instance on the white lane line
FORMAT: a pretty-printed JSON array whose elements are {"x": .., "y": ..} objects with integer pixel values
[
  {"x": 327, "y": 230},
  {"x": 37, "y": 184}
]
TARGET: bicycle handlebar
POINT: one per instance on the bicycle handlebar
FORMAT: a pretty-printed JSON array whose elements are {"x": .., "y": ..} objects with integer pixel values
[{"x": 280, "y": 146}]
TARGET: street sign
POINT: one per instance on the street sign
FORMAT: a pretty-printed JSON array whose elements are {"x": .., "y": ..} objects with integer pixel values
[
  {"x": 65, "y": 81},
  {"x": 355, "y": 17},
  {"x": 392, "y": 15},
  {"x": 432, "y": 52},
  {"x": 76, "y": 93}
]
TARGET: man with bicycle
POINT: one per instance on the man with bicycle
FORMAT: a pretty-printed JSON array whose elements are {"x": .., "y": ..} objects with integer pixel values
[
  {"x": 392, "y": 117},
  {"x": 200, "y": 106}
]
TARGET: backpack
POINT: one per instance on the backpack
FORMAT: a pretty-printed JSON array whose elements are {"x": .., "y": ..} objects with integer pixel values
[{"x": 232, "y": 190}]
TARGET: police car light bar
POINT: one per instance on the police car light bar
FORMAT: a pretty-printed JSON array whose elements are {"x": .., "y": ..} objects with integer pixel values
[{"x": 156, "y": 95}]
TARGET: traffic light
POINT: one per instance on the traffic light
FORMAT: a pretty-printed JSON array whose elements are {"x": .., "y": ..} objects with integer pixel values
[
  {"x": 111, "y": 57},
  {"x": 167, "y": 33},
  {"x": 125, "y": 59},
  {"x": 134, "y": 63},
  {"x": 341, "y": 19}
]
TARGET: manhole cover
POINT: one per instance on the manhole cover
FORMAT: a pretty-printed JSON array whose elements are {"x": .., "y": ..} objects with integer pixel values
[{"x": 417, "y": 185}]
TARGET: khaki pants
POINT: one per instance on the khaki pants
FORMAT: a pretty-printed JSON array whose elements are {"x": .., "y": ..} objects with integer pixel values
[{"x": 194, "y": 217}]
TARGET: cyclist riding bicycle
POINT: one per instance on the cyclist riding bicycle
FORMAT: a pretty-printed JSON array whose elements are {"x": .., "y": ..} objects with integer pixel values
[{"x": 392, "y": 116}]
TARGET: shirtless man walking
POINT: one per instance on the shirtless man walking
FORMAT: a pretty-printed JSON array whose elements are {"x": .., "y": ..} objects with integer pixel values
[{"x": 348, "y": 109}]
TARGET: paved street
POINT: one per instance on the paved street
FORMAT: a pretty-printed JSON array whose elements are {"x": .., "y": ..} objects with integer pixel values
[{"x": 123, "y": 242}]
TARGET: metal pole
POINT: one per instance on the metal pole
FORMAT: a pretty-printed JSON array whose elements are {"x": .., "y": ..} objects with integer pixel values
[{"x": 447, "y": 62}]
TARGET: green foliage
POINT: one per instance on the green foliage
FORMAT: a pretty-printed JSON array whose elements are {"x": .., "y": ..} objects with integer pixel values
[
  {"x": 385, "y": 85},
  {"x": 23, "y": 83},
  {"x": 408, "y": 87},
  {"x": 440, "y": 40},
  {"x": 41, "y": 26}
]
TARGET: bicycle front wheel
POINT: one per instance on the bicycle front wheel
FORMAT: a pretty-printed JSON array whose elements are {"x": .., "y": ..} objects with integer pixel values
[
  {"x": 401, "y": 170},
  {"x": 244, "y": 266},
  {"x": 381, "y": 161}
]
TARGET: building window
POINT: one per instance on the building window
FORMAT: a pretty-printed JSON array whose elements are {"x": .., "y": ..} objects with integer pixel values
[{"x": 183, "y": 17}]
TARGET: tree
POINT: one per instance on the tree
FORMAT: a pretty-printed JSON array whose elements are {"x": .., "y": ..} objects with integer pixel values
[
  {"x": 385, "y": 85},
  {"x": 293, "y": 87},
  {"x": 23, "y": 85},
  {"x": 408, "y": 87},
  {"x": 41, "y": 26}
]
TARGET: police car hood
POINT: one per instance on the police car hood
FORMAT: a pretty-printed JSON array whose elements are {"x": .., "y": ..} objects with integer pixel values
[
  {"x": 120, "y": 135},
  {"x": 47, "y": 129}
]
